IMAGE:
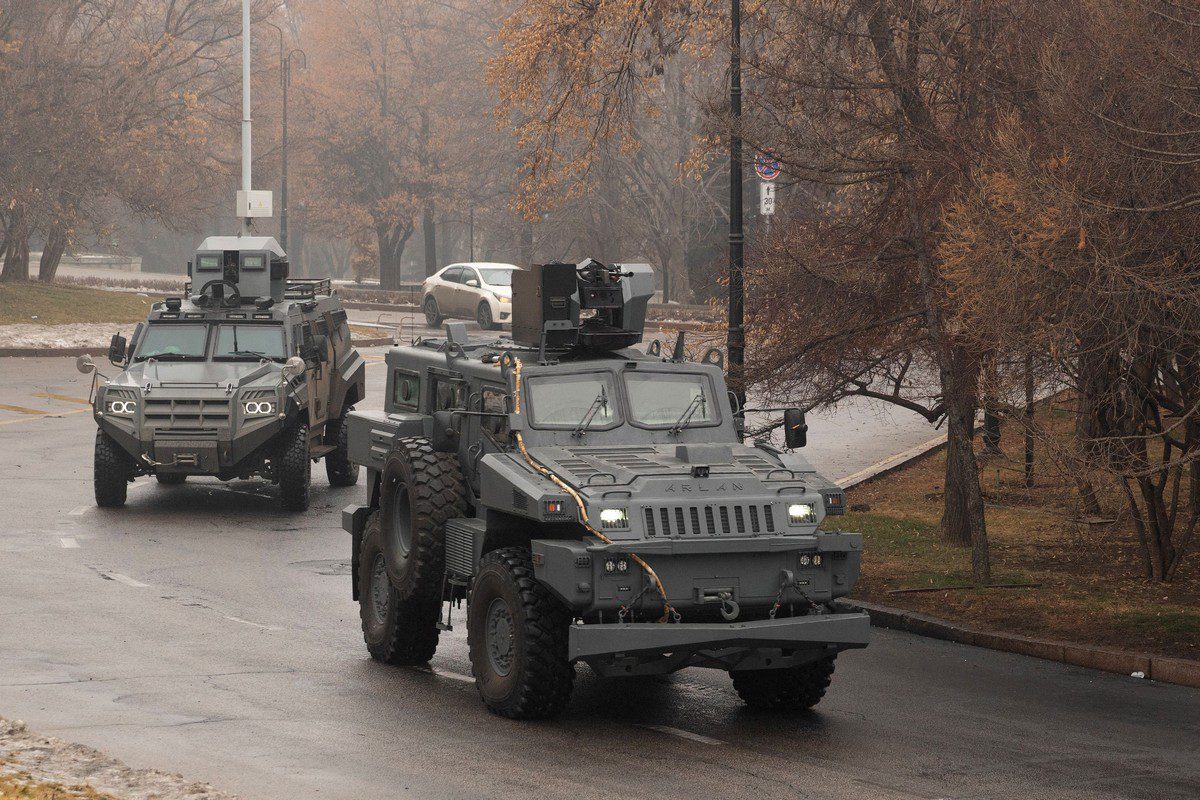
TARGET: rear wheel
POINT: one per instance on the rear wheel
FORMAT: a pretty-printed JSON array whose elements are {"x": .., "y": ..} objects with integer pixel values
[
  {"x": 517, "y": 633},
  {"x": 294, "y": 470},
  {"x": 397, "y": 631},
  {"x": 338, "y": 466},
  {"x": 483, "y": 315},
  {"x": 788, "y": 689},
  {"x": 433, "y": 314},
  {"x": 170, "y": 478},
  {"x": 112, "y": 471}
]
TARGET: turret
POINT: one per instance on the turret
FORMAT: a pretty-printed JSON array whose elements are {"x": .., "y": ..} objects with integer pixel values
[
  {"x": 255, "y": 265},
  {"x": 589, "y": 306}
]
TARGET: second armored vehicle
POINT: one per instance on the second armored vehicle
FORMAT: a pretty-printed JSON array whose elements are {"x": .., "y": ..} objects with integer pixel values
[
  {"x": 591, "y": 502},
  {"x": 253, "y": 374}
]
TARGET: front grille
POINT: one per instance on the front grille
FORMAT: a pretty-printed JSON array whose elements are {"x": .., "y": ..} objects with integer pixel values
[
  {"x": 709, "y": 520},
  {"x": 190, "y": 414}
]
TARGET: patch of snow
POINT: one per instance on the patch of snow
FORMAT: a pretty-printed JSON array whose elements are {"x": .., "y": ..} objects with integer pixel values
[{"x": 94, "y": 334}]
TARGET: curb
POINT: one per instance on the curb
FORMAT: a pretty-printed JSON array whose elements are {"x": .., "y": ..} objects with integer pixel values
[
  {"x": 1179, "y": 671},
  {"x": 892, "y": 463},
  {"x": 51, "y": 352}
]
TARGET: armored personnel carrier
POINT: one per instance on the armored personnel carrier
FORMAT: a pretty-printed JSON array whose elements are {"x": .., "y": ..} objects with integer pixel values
[
  {"x": 591, "y": 502},
  {"x": 250, "y": 374}
]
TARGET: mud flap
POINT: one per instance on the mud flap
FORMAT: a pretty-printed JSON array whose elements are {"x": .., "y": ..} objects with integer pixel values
[{"x": 354, "y": 520}]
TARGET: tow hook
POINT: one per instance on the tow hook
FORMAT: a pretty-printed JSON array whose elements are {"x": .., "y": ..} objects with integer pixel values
[{"x": 729, "y": 607}]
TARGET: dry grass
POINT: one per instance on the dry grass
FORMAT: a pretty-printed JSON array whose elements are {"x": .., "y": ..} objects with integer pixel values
[
  {"x": 1091, "y": 585},
  {"x": 20, "y": 786},
  {"x": 53, "y": 304}
]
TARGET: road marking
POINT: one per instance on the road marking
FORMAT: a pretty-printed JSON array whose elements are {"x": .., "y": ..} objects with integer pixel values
[
  {"x": 454, "y": 676},
  {"x": 78, "y": 511},
  {"x": 23, "y": 410},
  {"x": 253, "y": 624},
  {"x": 682, "y": 734},
  {"x": 43, "y": 415},
  {"x": 69, "y": 543},
  {"x": 125, "y": 579},
  {"x": 65, "y": 398}
]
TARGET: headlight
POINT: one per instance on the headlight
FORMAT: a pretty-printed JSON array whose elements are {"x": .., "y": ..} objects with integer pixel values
[
  {"x": 124, "y": 408},
  {"x": 258, "y": 408},
  {"x": 801, "y": 514},
  {"x": 501, "y": 298},
  {"x": 614, "y": 518}
]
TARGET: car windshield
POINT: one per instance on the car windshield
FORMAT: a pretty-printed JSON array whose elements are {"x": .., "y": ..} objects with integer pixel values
[
  {"x": 664, "y": 400},
  {"x": 497, "y": 277},
  {"x": 169, "y": 341},
  {"x": 250, "y": 341},
  {"x": 566, "y": 401}
]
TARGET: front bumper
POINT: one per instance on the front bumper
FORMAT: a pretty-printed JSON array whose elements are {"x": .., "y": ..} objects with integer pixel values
[{"x": 655, "y": 648}]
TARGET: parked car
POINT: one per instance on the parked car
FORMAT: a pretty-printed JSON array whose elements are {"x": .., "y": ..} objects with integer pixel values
[{"x": 481, "y": 291}]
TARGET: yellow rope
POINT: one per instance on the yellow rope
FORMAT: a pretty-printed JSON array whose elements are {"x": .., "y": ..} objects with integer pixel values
[{"x": 583, "y": 516}]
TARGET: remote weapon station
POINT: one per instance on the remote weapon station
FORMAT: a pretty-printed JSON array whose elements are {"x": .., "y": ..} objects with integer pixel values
[
  {"x": 251, "y": 374},
  {"x": 591, "y": 502}
]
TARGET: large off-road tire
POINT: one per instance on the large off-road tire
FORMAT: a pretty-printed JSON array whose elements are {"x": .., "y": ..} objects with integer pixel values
[
  {"x": 397, "y": 631},
  {"x": 517, "y": 633},
  {"x": 113, "y": 469},
  {"x": 295, "y": 469},
  {"x": 170, "y": 478},
  {"x": 483, "y": 315},
  {"x": 788, "y": 689},
  {"x": 338, "y": 466},
  {"x": 422, "y": 488},
  {"x": 433, "y": 314}
]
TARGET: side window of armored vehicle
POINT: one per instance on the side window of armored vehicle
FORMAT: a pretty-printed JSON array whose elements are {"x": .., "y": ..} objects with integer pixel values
[
  {"x": 448, "y": 394},
  {"x": 494, "y": 401},
  {"x": 341, "y": 325},
  {"x": 406, "y": 389}
]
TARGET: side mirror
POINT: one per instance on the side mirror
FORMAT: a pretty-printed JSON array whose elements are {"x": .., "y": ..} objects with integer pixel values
[
  {"x": 85, "y": 364},
  {"x": 474, "y": 284},
  {"x": 795, "y": 429},
  {"x": 116, "y": 349},
  {"x": 293, "y": 366}
]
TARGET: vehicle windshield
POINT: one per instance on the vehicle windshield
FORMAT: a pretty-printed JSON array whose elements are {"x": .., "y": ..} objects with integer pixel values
[
  {"x": 668, "y": 400},
  {"x": 566, "y": 401},
  {"x": 168, "y": 341},
  {"x": 250, "y": 342},
  {"x": 497, "y": 277}
]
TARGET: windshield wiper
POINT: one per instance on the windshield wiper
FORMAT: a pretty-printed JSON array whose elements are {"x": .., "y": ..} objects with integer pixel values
[
  {"x": 686, "y": 417},
  {"x": 600, "y": 402},
  {"x": 255, "y": 353}
]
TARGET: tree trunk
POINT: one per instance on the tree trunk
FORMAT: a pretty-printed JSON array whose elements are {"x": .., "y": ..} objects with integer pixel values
[
  {"x": 16, "y": 248},
  {"x": 52, "y": 253},
  {"x": 429, "y": 229},
  {"x": 962, "y": 514},
  {"x": 392, "y": 241}
]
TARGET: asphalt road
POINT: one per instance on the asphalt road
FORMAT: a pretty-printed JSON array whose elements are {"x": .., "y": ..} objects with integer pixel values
[{"x": 204, "y": 631}]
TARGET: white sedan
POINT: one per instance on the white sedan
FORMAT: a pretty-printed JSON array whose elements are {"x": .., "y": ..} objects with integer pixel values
[{"x": 480, "y": 290}]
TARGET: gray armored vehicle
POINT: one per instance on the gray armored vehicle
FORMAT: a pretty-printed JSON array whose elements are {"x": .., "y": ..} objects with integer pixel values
[
  {"x": 252, "y": 374},
  {"x": 591, "y": 502}
]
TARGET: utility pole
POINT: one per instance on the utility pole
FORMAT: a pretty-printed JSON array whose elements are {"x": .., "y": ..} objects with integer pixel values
[
  {"x": 247, "y": 152},
  {"x": 735, "y": 342},
  {"x": 286, "y": 72}
]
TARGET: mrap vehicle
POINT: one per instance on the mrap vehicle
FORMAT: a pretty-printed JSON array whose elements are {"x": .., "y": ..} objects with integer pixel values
[
  {"x": 251, "y": 375},
  {"x": 591, "y": 502}
]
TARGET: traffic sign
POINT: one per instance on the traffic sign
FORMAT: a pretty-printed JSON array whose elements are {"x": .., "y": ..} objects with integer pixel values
[
  {"x": 767, "y": 166},
  {"x": 766, "y": 198}
]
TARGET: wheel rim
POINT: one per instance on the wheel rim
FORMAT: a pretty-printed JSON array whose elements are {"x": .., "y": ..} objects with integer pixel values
[
  {"x": 380, "y": 590},
  {"x": 431, "y": 311},
  {"x": 500, "y": 636},
  {"x": 485, "y": 317},
  {"x": 402, "y": 520}
]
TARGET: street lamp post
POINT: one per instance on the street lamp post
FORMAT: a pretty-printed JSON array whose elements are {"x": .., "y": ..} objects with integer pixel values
[{"x": 736, "y": 336}]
